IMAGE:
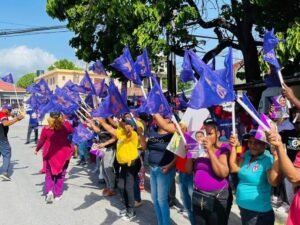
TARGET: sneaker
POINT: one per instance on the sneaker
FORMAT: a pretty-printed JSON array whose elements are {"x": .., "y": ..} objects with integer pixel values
[
  {"x": 27, "y": 142},
  {"x": 5, "y": 177},
  {"x": 129, "y": 216},
  {"x": 122, "y": 212},
  {"x": 138, "y": 204},
  {"x": 58, "y": 198},
  {"x": 284, "y": 208},
  {"x": 49, "y": 197}
]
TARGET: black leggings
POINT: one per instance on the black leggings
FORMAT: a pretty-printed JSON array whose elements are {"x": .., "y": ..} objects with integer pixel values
[
  {"x": 220, "y": 214},
  {"x": 126, "y": 183},
  {"x": 257, "y": 218}
]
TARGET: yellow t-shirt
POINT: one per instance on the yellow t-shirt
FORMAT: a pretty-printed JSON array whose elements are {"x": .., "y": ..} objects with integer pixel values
[{"x": 127, "y": 147}]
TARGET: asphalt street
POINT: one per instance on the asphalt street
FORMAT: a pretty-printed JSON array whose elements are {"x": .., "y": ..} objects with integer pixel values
[{"x": 22, "y": 201}]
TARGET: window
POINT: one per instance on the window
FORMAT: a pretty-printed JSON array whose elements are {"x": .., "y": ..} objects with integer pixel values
[
  {"x": 63, "y": 78},
  {"x": 76, "y": 78}
]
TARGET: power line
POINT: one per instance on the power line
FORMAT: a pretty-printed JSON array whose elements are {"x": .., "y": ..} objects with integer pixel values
[
  {"x": 35, "y": 33},
  {"x": 31, "y": 30}
]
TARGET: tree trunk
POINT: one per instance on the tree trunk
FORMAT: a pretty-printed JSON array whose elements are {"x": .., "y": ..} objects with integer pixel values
[{"x": 249, "y": 51}]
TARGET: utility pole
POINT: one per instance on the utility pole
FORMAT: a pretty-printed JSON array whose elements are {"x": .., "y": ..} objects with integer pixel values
[{"x": 171, "y": 70}]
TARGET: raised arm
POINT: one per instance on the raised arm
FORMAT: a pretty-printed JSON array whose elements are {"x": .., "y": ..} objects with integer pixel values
[
  {"x": 289, "y": 93},
  {"x": 7, "y": 122},
  {"x": 285, "y": 164},
  {"x": 93, "y": 126},
  {"x": 274, "y": 174},
  {"x": 107, "y": 126},
  {"x": 234, "y": 163},
  {"x": 142, "y": 138},
  {"x": 162, "y": 123},
  {"x": 219, "y": 165}
]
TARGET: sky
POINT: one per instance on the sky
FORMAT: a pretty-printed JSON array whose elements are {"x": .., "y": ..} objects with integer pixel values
[
  {"x": 22, "y": 54},
  {"x": 27, "y": 53}
]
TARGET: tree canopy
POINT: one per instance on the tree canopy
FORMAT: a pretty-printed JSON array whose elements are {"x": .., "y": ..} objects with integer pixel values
[
  {"x": 26, "y": 80},
  {"x": 63, "y": 64},
  {"x": 103, "y": 28}
]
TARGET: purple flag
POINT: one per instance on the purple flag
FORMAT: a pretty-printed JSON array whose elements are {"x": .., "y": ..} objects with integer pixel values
[
  {"x": 87, "y": 85},
  {"x": 8, "y": 78},
  {"x": 210, "y": 89},
  {"x": 142, "y": 64},
  {"x": 270, "y": 42},
  {"x": 73, "y": 87},
  {"x": 124, "y": 91},
  {"x": 81, "y": 134},
  {"x": 156, "y": 102},
  {"x": 125, "y": 64},
  {"x": 101, "y": 88},
  {"x": 117, "y": 104},
  {"x": 67, "y": 105},
  {"x": 187, "y": 73},
  {"x": 98, "y": 68},
  {"x": 104, "y": 109},
  {"x": 41, "y": 88}
]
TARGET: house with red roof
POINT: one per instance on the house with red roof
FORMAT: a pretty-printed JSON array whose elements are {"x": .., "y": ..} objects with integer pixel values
[{"x": 9, "y": 94}]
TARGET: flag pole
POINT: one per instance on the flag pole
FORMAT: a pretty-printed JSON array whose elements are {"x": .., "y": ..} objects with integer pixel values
[
  {"x": 17, "y": 96},
  {"x": 179, "y": 129},
  {"x": 289, "y": 105},
  {"x": 252, "y": 114},
  {"x": 233, "y": 117},
  {"x": 78, "y": 111}
]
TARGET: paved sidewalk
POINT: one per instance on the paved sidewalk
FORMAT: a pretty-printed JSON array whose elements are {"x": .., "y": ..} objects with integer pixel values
[{"x": 22, "y": 201}]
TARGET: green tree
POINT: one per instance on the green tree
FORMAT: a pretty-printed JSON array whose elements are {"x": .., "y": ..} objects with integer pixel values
[
  {"x": 103, "y": 28},
  {"x": 26, "y": 80},
  {"x": 63, "y": 64}
]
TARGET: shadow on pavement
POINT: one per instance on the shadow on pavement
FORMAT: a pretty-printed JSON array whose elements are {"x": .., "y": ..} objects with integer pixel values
[{"x": 89, "y": 200}]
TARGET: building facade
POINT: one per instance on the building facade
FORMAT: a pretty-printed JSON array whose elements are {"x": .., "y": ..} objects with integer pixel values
[
  {"x": 59, "y": 77},
  {"x": 11, "y": 94}
]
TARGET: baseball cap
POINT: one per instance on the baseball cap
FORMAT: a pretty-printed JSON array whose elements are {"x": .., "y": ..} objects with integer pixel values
[
  {"x": 209, "y": 121},
  {"x": 7, "y": 106},
  {"x": 130, "y": 122}
]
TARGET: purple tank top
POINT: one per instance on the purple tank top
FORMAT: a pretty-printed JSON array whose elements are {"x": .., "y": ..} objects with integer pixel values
[{"x": 204, "y": 178}]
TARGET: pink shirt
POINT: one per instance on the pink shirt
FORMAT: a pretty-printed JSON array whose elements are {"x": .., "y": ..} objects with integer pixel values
[
  {"x": 294, "y": 214},
  {"x": 56, "y": 147}
]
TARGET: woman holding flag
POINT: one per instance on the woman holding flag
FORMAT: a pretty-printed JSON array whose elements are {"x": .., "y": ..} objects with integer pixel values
[
  {"x": 162, "y": 166},
  {"x": 212, "y": 196},
  {"x": 258, "y": 171},
  {"x": 57, "y": 151},
  {"x": 128, "y": 158}
]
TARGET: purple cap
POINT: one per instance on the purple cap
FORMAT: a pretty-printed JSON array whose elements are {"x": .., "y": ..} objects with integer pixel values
[
  {"x": 7, "y": 106},
  {"x": 258, "y": 134}
]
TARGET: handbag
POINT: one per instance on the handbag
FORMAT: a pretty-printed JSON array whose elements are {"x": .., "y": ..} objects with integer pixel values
[{"x": 205, "y": 200}]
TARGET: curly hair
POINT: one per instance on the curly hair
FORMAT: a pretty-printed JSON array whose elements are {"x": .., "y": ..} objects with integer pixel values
[{"x": 55, "y": 123}]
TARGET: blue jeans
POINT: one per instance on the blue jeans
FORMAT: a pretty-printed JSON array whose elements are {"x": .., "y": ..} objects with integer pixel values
[
  {"x": 82, "y": 150},
  {"x": 160, "y": 187},
  {"x": 186, "y": 193},
  {"x": 5, "y": 151}
]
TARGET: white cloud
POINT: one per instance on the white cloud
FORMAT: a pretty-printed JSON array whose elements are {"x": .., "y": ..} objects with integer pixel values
[{"x": 21, "y": 60}]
